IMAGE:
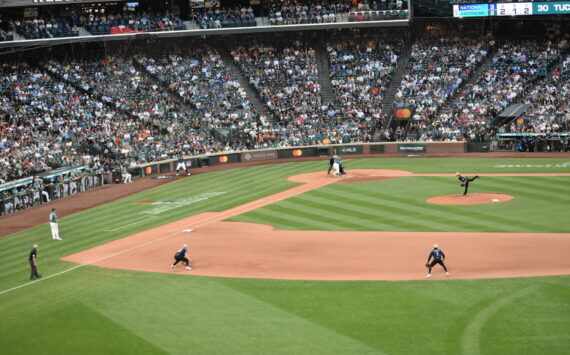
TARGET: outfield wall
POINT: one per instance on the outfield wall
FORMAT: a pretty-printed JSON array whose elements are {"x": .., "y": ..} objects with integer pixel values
[{"x": 292, "y": 153}]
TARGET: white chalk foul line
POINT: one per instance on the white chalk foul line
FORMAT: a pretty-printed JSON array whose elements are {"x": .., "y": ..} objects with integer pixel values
[
  {"x": 89, "y": 263},
  {"x": 128, "y": 225},
  {"x": 214, "y": 218}
]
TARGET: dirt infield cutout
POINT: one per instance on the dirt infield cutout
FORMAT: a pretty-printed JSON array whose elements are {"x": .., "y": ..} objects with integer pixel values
[
  {"x": 230, "y": 249},
  {"x": 469, "y": 199}
]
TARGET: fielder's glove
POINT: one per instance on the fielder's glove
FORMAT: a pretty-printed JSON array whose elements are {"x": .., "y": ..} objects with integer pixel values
[
  {"x": 462, "y": 185},
  {"x": 427, "y": 264}
]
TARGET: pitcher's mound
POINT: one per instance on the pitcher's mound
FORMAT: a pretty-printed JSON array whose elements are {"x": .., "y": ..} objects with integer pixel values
[{"x": 470, "y": 199}]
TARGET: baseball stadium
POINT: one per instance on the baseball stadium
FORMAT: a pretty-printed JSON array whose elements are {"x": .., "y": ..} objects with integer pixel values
[{"x": 284, "y": 177}]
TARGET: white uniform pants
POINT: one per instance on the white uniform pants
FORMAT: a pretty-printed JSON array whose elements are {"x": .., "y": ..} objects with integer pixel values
[
  {"x": 336, "y": 169},
  {"x": 54, "y": 230},
  {"x": 127, "y": 178}
]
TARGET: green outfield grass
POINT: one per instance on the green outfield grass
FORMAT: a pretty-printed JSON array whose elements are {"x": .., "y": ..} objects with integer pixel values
[{"x": 91, "y": 310}]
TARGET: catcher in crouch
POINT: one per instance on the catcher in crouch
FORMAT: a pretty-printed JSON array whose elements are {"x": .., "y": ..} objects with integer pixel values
[{"x": 438, "y": 258}]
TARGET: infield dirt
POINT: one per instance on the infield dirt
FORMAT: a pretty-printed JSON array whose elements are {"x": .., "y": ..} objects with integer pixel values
[{"x": 231, "y": 249}]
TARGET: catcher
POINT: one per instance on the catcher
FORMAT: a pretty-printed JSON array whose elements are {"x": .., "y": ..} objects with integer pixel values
[{"x": 438, "y": 258}]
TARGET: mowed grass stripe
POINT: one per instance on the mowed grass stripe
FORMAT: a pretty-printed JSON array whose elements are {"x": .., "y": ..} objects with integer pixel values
[
  {"x": 544, "y": 185},
  {"x": 512, "y": 189},
  {"x": 367, "y": 220},
  {"x": 382, "y": 217},
  {"x": 323, "y": 218},
  {"x": 410, "y": 209},
  {"x": 475, "y": 211}
]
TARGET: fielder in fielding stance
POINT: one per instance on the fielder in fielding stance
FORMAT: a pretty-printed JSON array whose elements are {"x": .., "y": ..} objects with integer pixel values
[
  {"x": 181, "y": 165},
  {"x": 438, "y": 258},
  {"x": 54, "y": 226},
  {"x": 181, "y": 256},
  {"x": 465, "y": 181}
]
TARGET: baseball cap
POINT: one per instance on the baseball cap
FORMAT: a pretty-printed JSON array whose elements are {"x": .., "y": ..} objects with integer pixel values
[
  {"x": 185, "y": 245},
  {"x": 35, "y": 245},
  {"x": 435, "y": 246}
]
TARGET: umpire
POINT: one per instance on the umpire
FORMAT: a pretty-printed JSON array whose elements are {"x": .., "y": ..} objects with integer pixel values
[
  {"x": 33, "y": 259},
  {"x": 331, "y": 163},
  {"x": 438, "y": 258},
  {"x": 181, "y": 256}
]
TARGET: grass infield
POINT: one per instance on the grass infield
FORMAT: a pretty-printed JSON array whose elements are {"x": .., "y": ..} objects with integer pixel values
[{"x": 92, "y": 310}]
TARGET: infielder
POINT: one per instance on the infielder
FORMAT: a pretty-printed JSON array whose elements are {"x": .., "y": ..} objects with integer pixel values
[
  {"x": 438, "y": 258},
  {"x": 465, "y": 181},
  {"x": 181, "y": 256},
  {"x": 181, "y": 165},
  {"x": 53, "y": 220}
]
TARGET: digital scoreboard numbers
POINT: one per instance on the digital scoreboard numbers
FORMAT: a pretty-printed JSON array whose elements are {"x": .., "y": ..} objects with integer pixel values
[
  {"x": 549, "y": 8},
  {"x": 512, "y": 9}
]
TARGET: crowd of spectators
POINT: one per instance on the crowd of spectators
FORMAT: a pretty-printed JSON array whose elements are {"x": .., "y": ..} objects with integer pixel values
[
  {"x": 47, "y": 124},
  {"x": 436, "y": 68},
  {"x": 289, "y": 12},
  {"x": 512, "y": 69},
  {"x": 361, "y": 70},
  {"x": 200, "y": 77},
  {"x": 44, "y": 27},
  {"x": 146, "y": 21},
  {"x": 115, "y": 112},
  {"x": 133, "y": 91},
  {"x": 550, "y": 111},
  {"x": 219, "y": 17}
]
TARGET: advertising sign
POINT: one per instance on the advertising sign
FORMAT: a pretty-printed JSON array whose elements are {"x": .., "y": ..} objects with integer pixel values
[
  {"x": 260, "y": 155},
  {"x": 412, "y": 148}
]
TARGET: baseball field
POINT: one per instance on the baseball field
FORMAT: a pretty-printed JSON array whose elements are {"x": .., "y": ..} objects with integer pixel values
[{"x": 287, "y": 260}]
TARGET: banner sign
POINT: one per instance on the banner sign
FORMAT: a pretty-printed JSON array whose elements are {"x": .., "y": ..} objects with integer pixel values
[
  {"x": 297, "y": 153},
  {"x": 349, "y": 149},
  {"x": 223, "y": 159},
  {"x": 412, "y": 148},
  {"x": 259, "y": 155}
]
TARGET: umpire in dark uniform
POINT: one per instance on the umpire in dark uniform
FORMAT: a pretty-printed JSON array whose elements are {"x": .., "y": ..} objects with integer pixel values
[
  {"x": 181, "y": 256},
  {"x": 438, "y": 257},
  {"x": 331, "y": 163},
  {"x": 465, "y": 181},
  {"x": 33, "y": 259}
]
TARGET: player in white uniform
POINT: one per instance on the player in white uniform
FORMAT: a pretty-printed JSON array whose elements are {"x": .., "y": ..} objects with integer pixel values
[
  {"x": 53, "y": 224},
  {"x": 181, "y": 165},
  {"x": 336, "y": 166}
]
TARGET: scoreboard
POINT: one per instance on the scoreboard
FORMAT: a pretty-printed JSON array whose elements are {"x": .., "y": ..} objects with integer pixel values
[{"x": 512, "y": 9}]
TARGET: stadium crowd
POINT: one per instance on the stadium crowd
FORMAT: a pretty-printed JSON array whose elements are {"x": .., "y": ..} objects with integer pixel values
[
  {"x": 221, "y": 17},
  {"x": 113, "y": 112},
  {"x": 437, "y": 67}
]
